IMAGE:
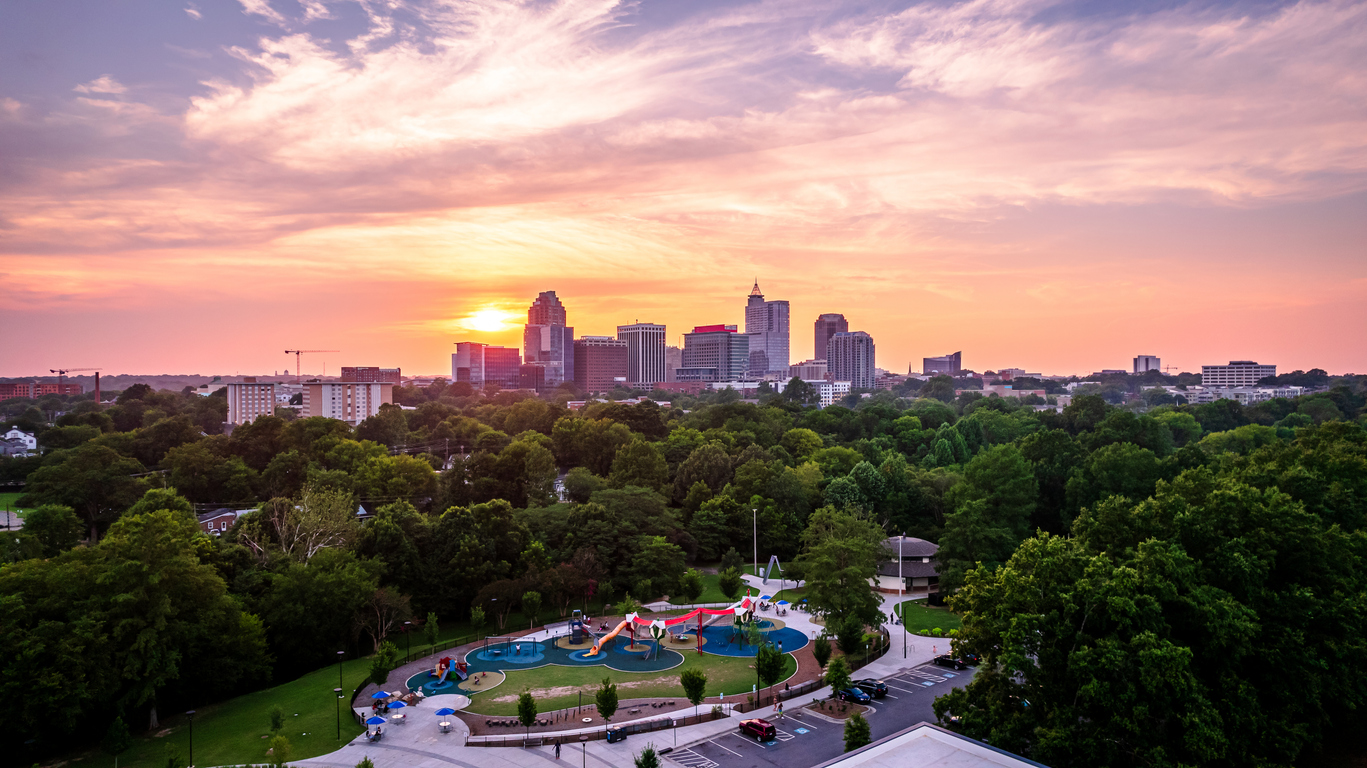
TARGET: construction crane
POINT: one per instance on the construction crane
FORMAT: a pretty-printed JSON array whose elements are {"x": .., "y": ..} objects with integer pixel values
[
  {"x": 61, "y": 378},
  {"x": 298, "y": 379}
]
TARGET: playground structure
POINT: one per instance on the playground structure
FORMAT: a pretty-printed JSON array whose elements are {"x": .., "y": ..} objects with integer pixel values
[
  {"x": 659, "y": 627},
  {"x": 448, "y": 665}
]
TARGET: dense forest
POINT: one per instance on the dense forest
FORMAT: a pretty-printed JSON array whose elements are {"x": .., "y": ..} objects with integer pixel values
[{"x": 1147, "y": 584}]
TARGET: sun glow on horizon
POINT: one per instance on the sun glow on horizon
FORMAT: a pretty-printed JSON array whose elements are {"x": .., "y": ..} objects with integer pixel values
[{"x": 489, "y": 320}]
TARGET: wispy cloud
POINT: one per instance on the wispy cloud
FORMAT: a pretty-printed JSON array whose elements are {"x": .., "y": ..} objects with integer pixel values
[
  {"x": 193, "y": 12},
  {"x": 104, "y": 84},
  {"x": 263, "y": 9}
]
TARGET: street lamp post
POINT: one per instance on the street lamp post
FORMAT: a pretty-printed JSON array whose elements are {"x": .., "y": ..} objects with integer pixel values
[
  {"x": 338, "y": 691},
  {"x": 340, "y": 655},
  {"x": 755, "y": 533},
  {"x": 901, "y": 582},
  {"x": 407, "y": 641},
  {"x": 191, "y": 714}
]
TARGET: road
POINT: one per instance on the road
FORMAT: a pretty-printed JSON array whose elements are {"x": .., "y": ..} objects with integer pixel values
[{"x": 806, "y": 740}]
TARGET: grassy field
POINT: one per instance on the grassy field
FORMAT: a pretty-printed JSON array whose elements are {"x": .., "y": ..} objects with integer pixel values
[
  {"x": 559, "y": 687},
  {"x": 711, "y": 593},
  {"x": 9, "y": 499},
  {"x": 231, "y": 732},
  {"x": 920, "y": 617}
]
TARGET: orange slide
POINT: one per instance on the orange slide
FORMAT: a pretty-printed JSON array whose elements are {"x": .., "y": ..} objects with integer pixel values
[{"x": 625, "y": 623}]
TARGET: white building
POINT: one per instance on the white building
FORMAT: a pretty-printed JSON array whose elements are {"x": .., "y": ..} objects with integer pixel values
[
  {"x": 352, "y": 402},
  {"x": 645, "y": 352},
  {"x": 1243, "y": 395},
  {"x": 1145, "y": 363},
  {"x": 1239, "y": 373},
  {"x": 29, "y": 440},
  {"x": 830, "y": 391},
  {"x": 249, "y": 399}
]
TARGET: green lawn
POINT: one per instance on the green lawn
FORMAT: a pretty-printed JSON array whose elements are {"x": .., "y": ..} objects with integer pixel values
[
  {"x": 230, "y": 733},
  {"x": 558, "y": 687},
  {"x": 711, "y": 593},
  {"x": 920, "y": 617},
  {"x": 9, "y": 501}
]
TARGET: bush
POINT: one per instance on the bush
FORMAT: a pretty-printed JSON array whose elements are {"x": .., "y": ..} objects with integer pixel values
[
  {"x": 277, "y": 719},
  {"x": 821, "y": 649},
  {"x": 280, "y": 751}
]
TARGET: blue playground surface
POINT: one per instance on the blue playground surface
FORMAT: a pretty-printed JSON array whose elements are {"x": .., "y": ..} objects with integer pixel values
[{"x": 727, "y": 641}]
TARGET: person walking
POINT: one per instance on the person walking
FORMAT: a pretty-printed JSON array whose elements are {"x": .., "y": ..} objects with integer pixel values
[{"x": 557, "y": 749}]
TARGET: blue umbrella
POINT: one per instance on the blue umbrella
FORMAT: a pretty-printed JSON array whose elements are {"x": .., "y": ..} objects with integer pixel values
[
  {"x": 444, "y": 711},
  {"x": 375, "y": 721},
  {"x": 782, "y": 602},
  {"x": 764, "y": 597},
  {"x": 379, "y": 695},
  {"x": 397, "y": 705}
]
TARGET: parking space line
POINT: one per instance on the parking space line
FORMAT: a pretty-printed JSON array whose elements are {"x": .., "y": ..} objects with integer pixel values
[
  {"x": 690, "y": 759},
  {"x": 732, "y": 751},
  {"x": 747, "y": 741}
]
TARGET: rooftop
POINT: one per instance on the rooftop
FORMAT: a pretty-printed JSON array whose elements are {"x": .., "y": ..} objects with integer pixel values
[{"x": 924, "y": 744}]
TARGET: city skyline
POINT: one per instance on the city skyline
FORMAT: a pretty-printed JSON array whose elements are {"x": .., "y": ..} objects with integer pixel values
[{"x": 1052, "y": 186}]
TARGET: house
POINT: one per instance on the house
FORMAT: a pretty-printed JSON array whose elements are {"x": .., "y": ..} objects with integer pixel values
[
  {"x": 917, "y": 567},
  {"x": 10, "y": 447},
  {"x": 219, "y": 521},
  {"x": 28, "y": 439}
]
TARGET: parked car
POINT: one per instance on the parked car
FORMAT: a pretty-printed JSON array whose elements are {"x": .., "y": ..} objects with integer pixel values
[
  {"x": 945, "y": 660},
  {"x": 875, "y": 688},
  {"x": 855, "y": 695},
  {"x": 762, "y": 730},
  {"x": 971, "y": 659}
]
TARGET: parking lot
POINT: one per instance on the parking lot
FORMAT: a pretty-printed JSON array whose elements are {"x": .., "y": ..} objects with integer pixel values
[{"x": 804, "y": 739}]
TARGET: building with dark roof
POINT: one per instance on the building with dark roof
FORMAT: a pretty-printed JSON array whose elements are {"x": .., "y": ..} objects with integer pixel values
[{"x": 917, "y": 567}]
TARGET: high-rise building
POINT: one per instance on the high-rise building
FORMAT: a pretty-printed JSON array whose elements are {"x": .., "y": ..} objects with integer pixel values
[
  {"x": 546, "y": 339},
  {"x": 368, "y": 374},
  {"x": 850, "y": 357},
  {"x": 949, "y": 365},
  {"x": 645, "y": 352},
  {"x": 1239, "y": 373},
  {"x": 1145, "y": 363},
  {"x": 827, "y": 326},
  {"x": 352, "y": 402},
  {"x": 600, "y": 363},
  {"x": 717, "y": 347},
  {"x": 484, "y": 364},
  {"x": 673, "y": 362},
  {"x": 766, "y": 323},
  {"x": 249, "y": 400}
]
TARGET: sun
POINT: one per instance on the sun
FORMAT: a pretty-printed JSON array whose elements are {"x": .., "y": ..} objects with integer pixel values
[{"x": 488, "y": 320}]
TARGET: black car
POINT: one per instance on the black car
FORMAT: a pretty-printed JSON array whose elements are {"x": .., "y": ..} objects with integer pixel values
[
  {"x": 875, "y": 688},
  {"x": 945, "y": 660},
  {"x": 971, "y": 659},
  {"x": 855, "y": 695}
]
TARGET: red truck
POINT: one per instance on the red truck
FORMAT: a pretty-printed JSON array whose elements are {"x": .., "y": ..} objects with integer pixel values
[{"x": 762, "y": 730}]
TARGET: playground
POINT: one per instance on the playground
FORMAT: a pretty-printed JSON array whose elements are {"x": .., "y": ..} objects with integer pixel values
[{"x": 643, "y": 656}]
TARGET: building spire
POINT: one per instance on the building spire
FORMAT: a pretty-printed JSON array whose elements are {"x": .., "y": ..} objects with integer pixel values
[{"x": 755, "y": 291}]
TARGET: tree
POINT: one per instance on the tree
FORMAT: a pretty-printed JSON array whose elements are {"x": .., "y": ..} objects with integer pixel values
[
  {"x": 117, "y": 740},
  {"x": 857, "y": 732},
  {"x": 641, "y": 464},
  {"x": 730, "y": 583},
  {"x": 385, "y": 610},
  {"x": 732, "y": 560},
  {"x": 318, "y": 519},
  {"x": 280, "y": 751},
  {"x": 837, "y": 675},
  {"x": 385, "y": 661},
  {"x": 648, "y": 758},
  {"x": 690, "y": 585},
  {"x": 694, "y": 682},
  {"x": 531, "y": 607},
  {"x": 430, "y": 630},
  {"x": 56, "y": 527},
  {"x": 821, "y": 650},
  {"x": 842, "y": 551},
  {"x": 605, "y": 699},
  {"x": 365, "y": 763},
  {"x": 768, "y": 665},
  {"x": 849, "y": 634},
  {"x": 277, "y": 718},
  {"x": 799, "y": 391},
  {"x": 526, "y": 710},
  {"x": 478, "y": 620},
  {"x": 92, "y": 479}
]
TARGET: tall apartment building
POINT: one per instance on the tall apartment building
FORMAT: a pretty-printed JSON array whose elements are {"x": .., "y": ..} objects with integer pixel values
[
  {"x": 1239, "y": 373},
  {"x": 547, "y": 340},
  {"x": 600, "y": 363},
  {"x": 370, "y": 373},
  {"x": 850, "y": 357},
  {"x": 673, "y": 362},
  {"x": 645, "y": 352},
  {"x": 950, "y": 365},
  {"x": 828, "y": 325},
  {"x": 813, "y": 370},
  {"x": 250, "y": 399},
  {"x": 716, "y": 347},
  {"x": 348, "y": 401},
  {"x": 483, "y": 364},
  {"x": 766, "y": 323},
  {"x": 1145, "y": 363}
]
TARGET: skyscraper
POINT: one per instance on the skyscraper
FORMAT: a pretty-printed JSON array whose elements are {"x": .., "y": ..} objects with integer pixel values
[
  {"x": 1145, "y": 363},
  {"x": 715, "y": 353},
  {"x": 546, "y": 339},
  {"x": 827, "y": 326},
  {"x": 850, "y": 358},
  {"x": 766, "y": 323},
  {"x": 482, "y": 364},
  {"x": 600, "y": 363},
  {"x": 645, "y": 352},
  {"x": 947, "y": 364}
]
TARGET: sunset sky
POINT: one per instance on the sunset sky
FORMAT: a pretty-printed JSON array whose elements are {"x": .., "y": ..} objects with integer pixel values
[{"x": 194, "y": 187}]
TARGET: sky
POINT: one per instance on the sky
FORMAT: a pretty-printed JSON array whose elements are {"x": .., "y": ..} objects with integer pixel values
[{"x": 194, "y": 187}]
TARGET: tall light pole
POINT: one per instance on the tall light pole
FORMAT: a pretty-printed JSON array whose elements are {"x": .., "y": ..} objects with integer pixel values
[
  {"x": 755, "y": 533},
  {"x": 191, "y": 714},
  {"x": 338, "y": 691},
  {"x": 901, "y": 583},
  {"x": 407, "y": 642},
  {"x": 340, "y": 655}
]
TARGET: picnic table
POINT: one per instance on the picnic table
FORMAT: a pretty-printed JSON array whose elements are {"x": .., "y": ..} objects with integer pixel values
[
  {"x": 445, "y": 726},
  {"x": 398, "y": 719}
]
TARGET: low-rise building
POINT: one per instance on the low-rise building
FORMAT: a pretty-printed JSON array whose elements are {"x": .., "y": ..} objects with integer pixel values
[
  {"x": 27, "y": 439},
  {"x": 372, "y": 373},
  {"x": 1243, "y": 395},
  {"x": 217, "y": 522},
  {"x": 1239, "y": 373},
  {"x": 917, "y": 564},
  {"x": 352, "y": 402},
  {"x": 250, "y": 399}
]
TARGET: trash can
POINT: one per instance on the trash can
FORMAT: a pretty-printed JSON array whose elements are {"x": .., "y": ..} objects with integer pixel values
[{"x": 617, "y": 734}]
